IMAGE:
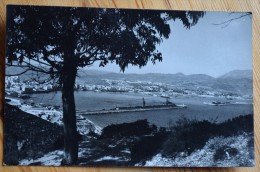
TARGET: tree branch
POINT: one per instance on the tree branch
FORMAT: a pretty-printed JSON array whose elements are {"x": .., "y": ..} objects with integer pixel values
[
  {"x": 18, "y": 73},
  {"x": 226, "y": 23}
]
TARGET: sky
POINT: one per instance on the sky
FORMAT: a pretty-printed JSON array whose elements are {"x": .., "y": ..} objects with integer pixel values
[{"x": 203, "y": 49}]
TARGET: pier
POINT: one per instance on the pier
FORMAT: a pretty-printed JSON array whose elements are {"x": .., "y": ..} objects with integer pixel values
[{"x": 133, "y": 109}]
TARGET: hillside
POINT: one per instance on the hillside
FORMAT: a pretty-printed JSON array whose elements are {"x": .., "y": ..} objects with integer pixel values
[
  {"x": 237, "y": 81},
  {"x": 28, "y": 136},
  {"x": 238, "y": 74}
]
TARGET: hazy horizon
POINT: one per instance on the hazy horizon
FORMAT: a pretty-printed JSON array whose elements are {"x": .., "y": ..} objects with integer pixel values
[{"x": 106, "y": 71}]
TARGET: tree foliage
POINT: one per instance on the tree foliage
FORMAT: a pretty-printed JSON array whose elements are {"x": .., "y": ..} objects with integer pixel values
[{"x": 40, "y": 37}]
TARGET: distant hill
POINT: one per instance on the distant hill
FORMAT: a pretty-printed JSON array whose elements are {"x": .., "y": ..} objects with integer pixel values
[
  {"x": 93, "y": 72},
  {"x": 240, "y": 81},
  {"x": 238, "y": 74},
  {"x": 237, "y": 81}
]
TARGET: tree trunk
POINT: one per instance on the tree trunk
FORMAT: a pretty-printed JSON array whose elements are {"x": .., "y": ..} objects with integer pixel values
[{"x": 69, "y": 112}]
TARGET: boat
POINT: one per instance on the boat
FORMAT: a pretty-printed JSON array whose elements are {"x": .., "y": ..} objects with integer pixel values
[
  {"x": 216, "y": 103},
  {"x": 12, "y": 101},
  {"x": 24, "y": 96},
  {"x": 182, "y": 106},
  {"x": 165, "y": 96}
]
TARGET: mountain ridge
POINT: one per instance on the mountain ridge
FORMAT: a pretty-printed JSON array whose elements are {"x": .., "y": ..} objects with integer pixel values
[
  {"x": 229, "y": 82},
  {"x": 248, "y": 73},
  {"x": 238, "y": 74}
]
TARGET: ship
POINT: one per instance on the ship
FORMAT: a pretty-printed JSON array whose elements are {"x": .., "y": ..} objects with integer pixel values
[{"x": 216, "y": 103}]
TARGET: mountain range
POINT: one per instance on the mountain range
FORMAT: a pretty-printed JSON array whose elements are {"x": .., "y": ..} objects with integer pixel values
[{"x": 236, "y": 81}]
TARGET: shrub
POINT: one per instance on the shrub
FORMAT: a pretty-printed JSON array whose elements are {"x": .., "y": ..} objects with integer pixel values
[
  {"x": 11, "y": 153},
  {"x": 148, "y": 146},
  {"x": 138, "y": 128},
  {"x": 92, "y": 134},
  {"x": 188, "y": 135},
  {"x": 237, "y": 125}
]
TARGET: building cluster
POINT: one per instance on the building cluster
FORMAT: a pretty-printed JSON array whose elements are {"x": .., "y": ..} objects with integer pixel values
[
  {"x": 15, "y": 86},
  {"x": 150, "y": 88}
]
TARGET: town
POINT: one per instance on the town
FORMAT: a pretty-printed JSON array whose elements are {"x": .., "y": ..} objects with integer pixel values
[{"x": 16, "y": 87}]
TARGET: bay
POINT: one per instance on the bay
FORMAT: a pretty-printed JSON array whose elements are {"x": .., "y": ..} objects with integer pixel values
[{"x": 93, "y": 101}]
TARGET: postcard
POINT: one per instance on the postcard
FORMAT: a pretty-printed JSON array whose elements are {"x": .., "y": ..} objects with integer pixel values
[{"x": 128, "y": 87}]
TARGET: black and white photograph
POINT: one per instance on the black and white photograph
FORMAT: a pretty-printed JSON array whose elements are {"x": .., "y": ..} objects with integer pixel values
[{"x": 128, "y": 87}]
